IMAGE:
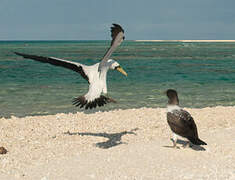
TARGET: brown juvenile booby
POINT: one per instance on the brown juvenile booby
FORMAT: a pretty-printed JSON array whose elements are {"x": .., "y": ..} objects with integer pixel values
[
  {"x": 180, "y": 121},
  {"x": 94, "y": 74}
]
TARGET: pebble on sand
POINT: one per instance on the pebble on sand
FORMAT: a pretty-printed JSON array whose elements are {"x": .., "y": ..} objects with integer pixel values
[{"x": 3, "y": 150}]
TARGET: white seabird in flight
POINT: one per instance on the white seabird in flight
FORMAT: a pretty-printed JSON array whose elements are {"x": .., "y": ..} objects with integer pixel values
[
  {"x": 94, "y": 74},
  {"x": 180, "y": 121}
]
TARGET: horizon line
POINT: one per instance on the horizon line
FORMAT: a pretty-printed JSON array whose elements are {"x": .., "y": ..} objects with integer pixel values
[
  {"x": 137, "y": 40},
  {"x": 195, "y": 40}
]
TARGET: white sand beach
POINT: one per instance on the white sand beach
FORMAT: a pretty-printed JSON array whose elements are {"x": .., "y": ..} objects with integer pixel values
[{"x": 120, "y": 144}]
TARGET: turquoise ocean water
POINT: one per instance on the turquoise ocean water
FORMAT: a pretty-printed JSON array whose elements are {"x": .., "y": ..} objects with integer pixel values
[{"x": 202, "y": 73}]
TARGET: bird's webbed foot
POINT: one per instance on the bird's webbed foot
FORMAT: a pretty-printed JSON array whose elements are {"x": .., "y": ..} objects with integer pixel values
[{"x": 175, "y": 145}]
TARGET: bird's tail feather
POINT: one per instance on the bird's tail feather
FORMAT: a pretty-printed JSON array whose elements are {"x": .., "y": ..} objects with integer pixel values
[
  {"x": 198, "y": 141},
  {"x": 81, "y": 102}
]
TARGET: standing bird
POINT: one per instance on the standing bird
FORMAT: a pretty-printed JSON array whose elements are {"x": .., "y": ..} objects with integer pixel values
[
  {"x": 94, "y": 74},
  {"x": 180, "y": 121}
]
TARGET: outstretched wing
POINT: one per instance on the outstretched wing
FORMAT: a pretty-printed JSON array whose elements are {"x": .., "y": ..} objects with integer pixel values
[
  {"x": 77, "y": 67},
  {"x": 117, "y": 34}
]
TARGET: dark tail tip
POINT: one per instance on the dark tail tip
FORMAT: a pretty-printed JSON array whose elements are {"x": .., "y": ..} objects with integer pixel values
[
  {"x": 100, "y": 101},
  {"x": 198, "y": 142},
  {"x": 202, "y": 142}
]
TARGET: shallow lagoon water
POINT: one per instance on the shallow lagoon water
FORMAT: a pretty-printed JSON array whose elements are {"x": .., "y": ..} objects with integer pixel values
[{"x": 202, "y": 73}]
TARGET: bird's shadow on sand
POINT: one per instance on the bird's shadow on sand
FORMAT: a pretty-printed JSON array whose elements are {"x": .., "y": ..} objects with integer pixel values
[
  {"x": 114, "y": 139},
  {"x": 98, "y": 109},
  {"x": 183, "y": 143}
]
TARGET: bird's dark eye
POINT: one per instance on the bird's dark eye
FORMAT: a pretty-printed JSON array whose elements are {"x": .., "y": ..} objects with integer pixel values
[
  {"x": 123, "y": 37},
  {"x": 117, "y": 67}
]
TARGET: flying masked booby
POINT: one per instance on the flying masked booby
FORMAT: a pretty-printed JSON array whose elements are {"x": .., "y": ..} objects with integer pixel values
[
  {"x": 94, "y": 74},
  {"x": 180, "y": 121}
]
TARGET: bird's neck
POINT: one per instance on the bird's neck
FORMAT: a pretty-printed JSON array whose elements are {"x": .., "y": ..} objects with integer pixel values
[
  {"x": 173, "y": 104},
  {"x": 173, "y": 101},
  {"x": 103, "y": 73},
  {"x": 172, "y": 107}
]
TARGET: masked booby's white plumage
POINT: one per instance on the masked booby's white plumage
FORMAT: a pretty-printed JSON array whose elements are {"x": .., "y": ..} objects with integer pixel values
[{"x": 94, "y": 74}]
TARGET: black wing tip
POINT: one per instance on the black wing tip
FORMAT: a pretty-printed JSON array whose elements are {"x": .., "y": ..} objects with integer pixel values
[
  {"x": 198, "y": 142},
  {"x": 100, "y": 101},
  {"x": 202, "y": 142},
  {"x": 22, "y": 54},
  {"x": 17, "y": 53},
  {"x": 115, "y": 25}
]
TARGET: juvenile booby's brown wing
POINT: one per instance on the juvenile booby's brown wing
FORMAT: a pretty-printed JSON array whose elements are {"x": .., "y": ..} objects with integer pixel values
[
  {"x": 182, "y": 123},
  {"x": 117, "y": 34},
  {"x": 77, "y": 67}
]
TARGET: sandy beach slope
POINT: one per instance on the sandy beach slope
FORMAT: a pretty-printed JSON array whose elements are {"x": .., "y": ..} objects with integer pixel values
[{"x": 120, "y": 144}]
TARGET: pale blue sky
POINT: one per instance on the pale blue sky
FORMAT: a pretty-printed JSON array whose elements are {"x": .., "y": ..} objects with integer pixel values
[{"x": 141, "y": 19}]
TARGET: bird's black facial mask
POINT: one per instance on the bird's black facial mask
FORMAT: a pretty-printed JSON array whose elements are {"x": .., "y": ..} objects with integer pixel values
[{"x": 119, "y": 68}]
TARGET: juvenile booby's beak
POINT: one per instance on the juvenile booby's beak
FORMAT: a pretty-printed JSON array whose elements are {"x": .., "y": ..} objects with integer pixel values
[{"x": 121, "y": 71}]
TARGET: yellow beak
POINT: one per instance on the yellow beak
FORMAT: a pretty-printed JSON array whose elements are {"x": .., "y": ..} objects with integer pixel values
[{"x": 121, "y": 71}]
